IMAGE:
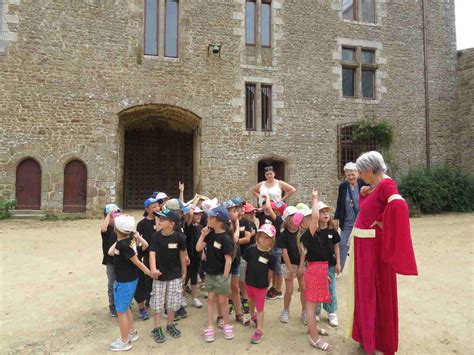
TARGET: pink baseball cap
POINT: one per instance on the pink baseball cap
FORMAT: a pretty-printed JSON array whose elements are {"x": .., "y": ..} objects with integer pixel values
[
  {"x": 268, "y": 229},
  {"x": 297, "y": 218}
]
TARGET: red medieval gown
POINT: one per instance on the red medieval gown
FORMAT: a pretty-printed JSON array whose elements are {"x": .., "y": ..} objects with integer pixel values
[{"x": 378, "y": 255}]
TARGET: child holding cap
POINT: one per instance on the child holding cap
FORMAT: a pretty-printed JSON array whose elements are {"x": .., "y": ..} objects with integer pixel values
[
  {"x": 125, "y": 266},
  {"x": 168, "y": 256},
  {"x": 220, "y": 248},
  {"x": 259, "y": 271},
  {"x": 108, "y": 239}
]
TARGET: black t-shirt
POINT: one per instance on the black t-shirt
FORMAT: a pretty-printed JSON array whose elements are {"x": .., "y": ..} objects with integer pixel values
[
  {"x": 192, "y": 232},
  {"x": 287, "y": 241},
  {"x": 146, "y": 227},
  {"x": 277, "y": 222},
  {"x": 218, "y": 245},
  {"x": 125, "y": 270},
  {"x": 167, "y": 249},
  {"x": 258, "y": 264},
  {"x": 108, "y": 239},
  {"x": 253, "y": 227},
  {"x": 321, "y": 246},
  {"x": 244, "y": 227}
]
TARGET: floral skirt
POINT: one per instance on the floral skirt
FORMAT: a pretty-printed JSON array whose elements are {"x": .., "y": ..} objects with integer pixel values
[{"x": 316, "y": 282}]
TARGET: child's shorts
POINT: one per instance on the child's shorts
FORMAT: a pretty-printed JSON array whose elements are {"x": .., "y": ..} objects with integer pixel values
[
  {"x": 171, "y": 290},
  {"x": 258, "y": 296},
  {"x": 123, "y": 294},
  {"x": 277, "y": 252},
  {"x": 316, "y": 282},
  {"x": 218, "y": 284},
  {"x": 294, "y": 268},
  {"x": 243, "y": 267}
]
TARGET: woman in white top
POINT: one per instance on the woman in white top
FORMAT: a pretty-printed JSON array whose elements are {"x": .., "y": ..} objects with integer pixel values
[{"x": 272, "y": 187}]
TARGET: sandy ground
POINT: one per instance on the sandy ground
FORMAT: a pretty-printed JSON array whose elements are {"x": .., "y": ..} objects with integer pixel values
[{"x": 53, "y": 296}]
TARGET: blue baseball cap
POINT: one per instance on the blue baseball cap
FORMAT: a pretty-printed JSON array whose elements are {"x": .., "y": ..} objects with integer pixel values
[
  {"x": 111, "y": 207},
  {"x": 220, "y": 212},
  {"x": 237, "y": 200},
  {"x": 149, "y": 201}
]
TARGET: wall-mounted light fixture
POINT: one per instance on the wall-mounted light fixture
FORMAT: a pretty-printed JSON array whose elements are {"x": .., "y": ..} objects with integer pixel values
[{"x": 214, "y": 48}]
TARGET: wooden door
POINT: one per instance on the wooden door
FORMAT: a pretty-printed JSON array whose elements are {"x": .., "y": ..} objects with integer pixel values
[
  {"x": 28, "y": 185},
  {"x": 75, "y": 187}
]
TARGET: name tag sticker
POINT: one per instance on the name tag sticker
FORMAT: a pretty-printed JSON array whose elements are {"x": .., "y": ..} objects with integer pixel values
[
  {"x": 242, "y": 228},
  {"x": 172, "y": 245},
  {"x": 263, "y": 260},
  {"x": 330, "y": 236},
  {"x": 116, "y": 252},
  {"x": 217, "y": 245},
  {"x": 154, "y": 227}
]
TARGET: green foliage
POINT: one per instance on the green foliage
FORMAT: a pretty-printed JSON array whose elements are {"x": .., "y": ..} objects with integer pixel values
[
  {"x": 5, "y": 207},
  {"x": 441, "y": 189},
  {"x": 373, "y": 130}
]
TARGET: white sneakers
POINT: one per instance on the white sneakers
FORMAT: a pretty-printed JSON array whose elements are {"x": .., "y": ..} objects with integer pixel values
[
  {"x": 197, "y": 303},
  {"x": 333, "y": 320},
  {"x": 285, "y": 316}
]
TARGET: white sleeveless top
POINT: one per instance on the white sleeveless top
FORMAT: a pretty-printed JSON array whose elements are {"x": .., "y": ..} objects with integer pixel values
[{"x": 274, "y": 192}]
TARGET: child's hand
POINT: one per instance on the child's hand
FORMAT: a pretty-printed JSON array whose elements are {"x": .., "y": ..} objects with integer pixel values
[
  {"x": 338, "y": 269},
  {"x": 315, "y": 194},
  {"x": 181, "y": 186},
  {"x": 155, "y": 274},
  {"x": 205, "y": 231},
  {"x": 300, "y": 272}
]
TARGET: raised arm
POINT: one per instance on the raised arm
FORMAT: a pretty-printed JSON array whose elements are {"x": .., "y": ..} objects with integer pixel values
[
  {"x": 105, "y": 222},
  {"x": 314, "y": 223},
  {"x": 111, "y": 250},
  {"x": 201, "y": 244},
  {"x": 181, "y": 190},
  {"x": 141, "y": 240},
  {"x": 267, "y": 208}
]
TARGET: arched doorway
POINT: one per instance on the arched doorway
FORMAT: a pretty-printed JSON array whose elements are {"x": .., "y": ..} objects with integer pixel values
[
  {"x": 278, "y": 168},
  {"x": 28, "y": 185},
  {"x": 161, "y": 146},
  {"x": 75, "y": 187}
]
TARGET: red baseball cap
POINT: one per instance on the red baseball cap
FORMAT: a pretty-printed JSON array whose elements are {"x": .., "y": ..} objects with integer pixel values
[{"x": 280, "y": 206}]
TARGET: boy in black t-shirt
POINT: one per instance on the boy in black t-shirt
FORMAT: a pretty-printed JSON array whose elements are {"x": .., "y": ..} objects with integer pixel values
[
  {"x": 192, "y": 230},
  {"x": 168, "y": 255},
  {"x": 108, "y": 239},
  {"x": 125, "y": 266}
]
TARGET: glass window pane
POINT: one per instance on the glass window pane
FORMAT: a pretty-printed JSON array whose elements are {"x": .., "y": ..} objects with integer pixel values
[
  {"x": 266, "y": 108},
  {"x": 151, "y": 27},
  {"x": 266, "y": 23},
  {"x": 348, "y": 9},
  {"x": 367, "y": 57},
  {"x": 250, "y": 22},
  {"x": 171, "y": 31},
  {"x": 250, "y": 106},
  {"x": 348, "y": 81},
  {"x": 368, "y": 79},
  {"x": 366, "y": 10},
  {"x": 348, "y": 54}
]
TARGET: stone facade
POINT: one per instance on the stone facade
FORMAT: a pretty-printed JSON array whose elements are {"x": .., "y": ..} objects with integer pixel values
[
  {"x": 465, "y": 114},
  {"x": 75, "y": 79}
]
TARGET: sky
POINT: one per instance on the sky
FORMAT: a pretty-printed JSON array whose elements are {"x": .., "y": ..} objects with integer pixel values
[{"x": 464, "y": 23}]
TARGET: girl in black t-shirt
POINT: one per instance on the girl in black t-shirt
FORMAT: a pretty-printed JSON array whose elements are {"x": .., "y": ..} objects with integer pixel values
[
  {"x": 316, "y": 274},
  {"x": 192, "y": 230}
]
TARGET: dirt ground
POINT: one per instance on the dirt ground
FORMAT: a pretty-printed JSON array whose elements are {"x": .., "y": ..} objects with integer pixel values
[{"x": 53, "y": 297}]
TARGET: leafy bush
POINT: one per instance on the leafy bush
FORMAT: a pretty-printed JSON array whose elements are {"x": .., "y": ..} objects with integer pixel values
[
  {"x": 441, "y": 189},
  {"x": 373, "y": 130},
  {"x": 5, "y": 207}
]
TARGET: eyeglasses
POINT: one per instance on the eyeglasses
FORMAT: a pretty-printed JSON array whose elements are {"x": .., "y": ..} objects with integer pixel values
[{"x": 269, "y": 168}]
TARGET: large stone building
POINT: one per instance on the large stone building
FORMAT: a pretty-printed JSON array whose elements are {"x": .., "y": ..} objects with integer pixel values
[{"x": 105, "y": 100}]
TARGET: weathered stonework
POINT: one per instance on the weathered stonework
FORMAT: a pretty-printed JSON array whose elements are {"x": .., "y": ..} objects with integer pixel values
[
  {"x": 76, "y": 71},
  {"x": 8, "y": 24}
]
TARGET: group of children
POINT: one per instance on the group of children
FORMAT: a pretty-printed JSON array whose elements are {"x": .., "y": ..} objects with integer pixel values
[{"x": 236, "y": 260}]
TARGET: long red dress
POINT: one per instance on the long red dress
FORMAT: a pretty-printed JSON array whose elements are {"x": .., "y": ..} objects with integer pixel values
[{"x": 378, "y": 255}]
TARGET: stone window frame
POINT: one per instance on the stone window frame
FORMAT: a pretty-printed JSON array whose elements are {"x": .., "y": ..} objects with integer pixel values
[
  {"x": 381, "y": 73},
  {"x": 6, "y": 35},
  {"x": 161, "y": 33},
  {"x": 258, "y": 13},
  {"x": 380, "y": 13},
  {"x": 359, "y": 67},
  {"x": 253, "y": 125}
]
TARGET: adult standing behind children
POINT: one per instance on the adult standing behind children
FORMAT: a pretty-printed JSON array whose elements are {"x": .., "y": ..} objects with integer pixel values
[
  {"x": 278, "y": 190},
  {"x": 168, "y": 256},
  {"x": 108, "y": 239}
]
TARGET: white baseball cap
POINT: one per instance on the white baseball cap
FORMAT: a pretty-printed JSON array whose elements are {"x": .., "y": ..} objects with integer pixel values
[
  {"x": 125, "y": 223},
  {"x": 289, "y": 211}
]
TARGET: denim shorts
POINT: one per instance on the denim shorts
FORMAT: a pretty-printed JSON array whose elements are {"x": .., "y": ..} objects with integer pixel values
[
  {"x": 277, "y": 252},
  {"x": 123, "y": 294},
  {"x": 235, "y": 271}
]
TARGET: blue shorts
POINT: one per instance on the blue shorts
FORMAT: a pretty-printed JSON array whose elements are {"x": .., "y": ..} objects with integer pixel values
[
  {"x": 277, "y": 252},
  {"x": 235, "y": 271},
  {"x": 123, "y": 294}
]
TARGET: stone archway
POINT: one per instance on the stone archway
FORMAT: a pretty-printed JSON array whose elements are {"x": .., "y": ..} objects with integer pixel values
[{"x": 160, "y": 145}]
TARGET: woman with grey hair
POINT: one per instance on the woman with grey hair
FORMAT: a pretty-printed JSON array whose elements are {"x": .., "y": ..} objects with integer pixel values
[
  {"x": 382, "y": 248},
  {"x": 347, "y": 207}
]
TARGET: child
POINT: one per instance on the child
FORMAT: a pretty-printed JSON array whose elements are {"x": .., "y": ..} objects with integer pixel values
[
  {"x": 330, "y": 238},
  {"x": 192, "y": 230},
  {"x": 218, "y": 262},
  {"x": 290, "y": 260},
  {"x": 259, "y": 270},
  {"x": 141, "y": 293},
  {"x": 108, "y": 239},
  {"x": 125, "y": 266},
  {"x": 313, "y": 252},
  {"x": 168, "y": 256}
]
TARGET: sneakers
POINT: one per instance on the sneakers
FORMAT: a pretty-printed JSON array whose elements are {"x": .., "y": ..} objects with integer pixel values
[
  {"x": 278, "y": 295},
  {"x": 181, "y": 313},
  {"x": 143, "y": 314},
  {"x": 303, "y": 318},
  {"x": 197, "y": 303},
  {"x": 209, "y": 335},
  {"x": 318, "y": 318},
  {"x": 271, "y": 293},
  {"x": 183, "y": 302},
  {"x": 133, "y": 336},
  {"x": 113, "y": 311},
  {"x": 245, "y": 305},
  {"x": 158, "y": 335},
  {"x": 333, "y": 320},
  {"x": 254, "y": 319},
  {"x": 119, "y": 345},
  {"x": 231, "y": 307},
  {"x": 173, "y": 331},
  {"x": 228, "y": 331},
  {"x": 257, "y": 337},
  {"x": 285, "y": 316}
]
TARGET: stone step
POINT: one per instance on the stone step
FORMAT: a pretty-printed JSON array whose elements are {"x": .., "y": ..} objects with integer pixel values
[{"x": 27, "y": 214}]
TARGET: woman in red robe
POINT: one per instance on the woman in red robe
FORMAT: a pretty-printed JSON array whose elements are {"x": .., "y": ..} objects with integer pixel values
[{"x": 382, "y": 248}]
